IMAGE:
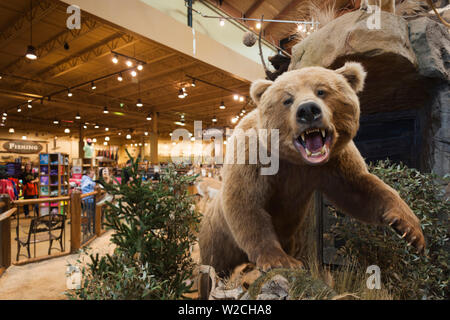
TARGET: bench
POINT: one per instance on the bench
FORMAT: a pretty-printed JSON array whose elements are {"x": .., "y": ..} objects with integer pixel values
[{"x": 46, "y": 228}]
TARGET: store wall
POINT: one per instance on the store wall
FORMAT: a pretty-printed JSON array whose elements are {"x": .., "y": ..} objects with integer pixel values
[{"x": 63, "y": 144}]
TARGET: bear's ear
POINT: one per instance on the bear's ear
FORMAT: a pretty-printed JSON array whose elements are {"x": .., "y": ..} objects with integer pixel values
[
  {"x": 258, "y": 88},
  {"x": 355, "y": 75}
]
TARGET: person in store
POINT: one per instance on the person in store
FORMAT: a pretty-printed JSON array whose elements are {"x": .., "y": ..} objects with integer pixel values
[
  {"x": 87, "y": 181},
  {"x": 29, "y": 187},
  {"x": 126, "y": 173}
]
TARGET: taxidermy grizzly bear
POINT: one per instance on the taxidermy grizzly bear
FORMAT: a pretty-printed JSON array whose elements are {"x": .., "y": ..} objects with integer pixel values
[{"x": 254, "y": 217}]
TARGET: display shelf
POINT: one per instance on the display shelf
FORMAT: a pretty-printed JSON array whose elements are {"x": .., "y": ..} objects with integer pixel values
[{"x": 53, "y": 181}]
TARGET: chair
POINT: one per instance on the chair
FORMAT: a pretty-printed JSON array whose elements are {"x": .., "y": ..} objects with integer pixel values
[{"x": 45, "y": 228}]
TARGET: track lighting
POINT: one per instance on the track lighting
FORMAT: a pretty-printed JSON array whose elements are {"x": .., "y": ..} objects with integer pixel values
[
  {"x": 78, "y": 117},
  {"x": 31, "y": 53},
  {"x": 115, "y": 59},
  {"x": 258, "y": 25},
  {"x": 96, "y": 126},
  {"x": 236, "y": 97},
  {"x": 146, "y": 133},
  {"x": 30, "y": 106},
  {"x": 66, "y": 130},
  {"x": 139, "y": 103},
  {"x": 19, "y": 109},
  {"x": 181, "y": 94},
  {"x": 85, "y": 126},
  {"x": 129, "y": 63},
  {"x": 214, "y": 119},
  {"x": 222, "y": 105},
  {"x": 193, "y": 83},
  {"x": 120, "y": 133},
  {"x": 5, "y": 114},
  {"x": 105, "y": 110},
  {"x": 11, "y": 130},
  {"x": 133, "y": 73},
  {"x": 105, "y": 143},
  {"x": 106, "y": 129},
  {"x": 55, "y": 121},
  {"x": 69, "y": 94},
  {"x": 140, "y": 66},
  {"x": 94, "y": 140},
  {"x": 241, "y": 99},
  {"x": 128, "y": 136},
  {"x": 221, "y": 22},
  {"x": 106, "y": 138},
  {"x": 120, "y": 78},
  {"x": 234, "y": 120},
  {"x": 24, "y": 137},
  {"x": 149, "y": 117},
  {"x": 93, "y": 86}
]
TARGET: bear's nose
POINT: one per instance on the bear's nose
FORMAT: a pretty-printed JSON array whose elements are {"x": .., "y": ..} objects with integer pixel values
[{"x": 308, "y": 112}]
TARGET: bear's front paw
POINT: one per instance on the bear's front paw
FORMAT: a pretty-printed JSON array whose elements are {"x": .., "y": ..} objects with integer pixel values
[
  {"x": 407, "y": 225},
  {"x": 276, "y": 259}
]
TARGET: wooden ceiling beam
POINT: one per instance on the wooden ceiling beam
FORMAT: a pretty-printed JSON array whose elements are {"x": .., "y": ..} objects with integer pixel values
[
  {"x": 290, "y": 7},
  {"x": 22, "y": 25},
  {"x": 253, "y": 8},
  {"x": 87, "y": 25}
]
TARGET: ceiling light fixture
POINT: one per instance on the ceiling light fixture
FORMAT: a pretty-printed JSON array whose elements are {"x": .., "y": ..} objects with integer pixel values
[
  {"x": 24, "y": 137},
  {"x": 241, "y": 99},
  {"x": 93, "y": 86},
  {"x": 55, "y": 122},
  {"x": 11, "y": 130},
  {"x": 115, "y": 59},
  {"x": 214, "y": 119},
  {"x": 106, "y": 138},
  {"x": 149, "y": 117},
  {"x": 139, "y": 103},
  {"x": 222, "y": 105},
  {"x": 69, "y": 94},
  {"x": 128, "y": 136},
  {"x": 181, "y": 94},
  {"x": 78, "y": 117},
  {"x": 120, "y": 78},
  {"x": 96, "y": 126},
  {"x": 106, "y": 129},
  {"x": 105, "y": 143},
  {"x": 221, "y": 22},
  {"x": 94, "y": 140},
  {"x": 133, "y": 73},
  {"x": 146, "y": 133},
  {"x": 258, "y": 25},
  {"x": 140, "y": 67},
  {"x": 236, "y": 97},
  {"x": 19, "y": 109},
  {"x": 66, "y": 130},
  {"x": 30, "y": 106},
  {"x": 129, "y": 63},
  {"x": 105, "y": 110},
  {"x": 193, "y": 83}
]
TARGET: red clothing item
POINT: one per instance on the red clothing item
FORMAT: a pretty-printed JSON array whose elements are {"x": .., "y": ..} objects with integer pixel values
[{"x": 6, "y": 186}]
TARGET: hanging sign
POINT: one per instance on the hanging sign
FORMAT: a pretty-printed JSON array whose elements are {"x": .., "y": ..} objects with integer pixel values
[{"x": 25, "y": 147}]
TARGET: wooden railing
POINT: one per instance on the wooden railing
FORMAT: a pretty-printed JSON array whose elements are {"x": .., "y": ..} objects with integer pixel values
[{"x": 10, "y": 211}]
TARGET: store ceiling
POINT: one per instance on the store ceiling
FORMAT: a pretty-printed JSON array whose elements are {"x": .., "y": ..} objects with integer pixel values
[
  {"x": 277, "y": 10},
  {"x": 89, "y": 57}
]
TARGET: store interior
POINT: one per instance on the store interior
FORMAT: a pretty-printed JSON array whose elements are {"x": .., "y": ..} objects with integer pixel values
[{"x": 84, "y": 91}]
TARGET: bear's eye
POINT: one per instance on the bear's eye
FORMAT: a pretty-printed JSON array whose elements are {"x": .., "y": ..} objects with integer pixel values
[
  {"x": 320, "y": 93},
  {"x": 288, "y": 101}
]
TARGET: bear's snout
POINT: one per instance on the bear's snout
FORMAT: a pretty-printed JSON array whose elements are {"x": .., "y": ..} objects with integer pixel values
[{"x": 308, "y": 112}]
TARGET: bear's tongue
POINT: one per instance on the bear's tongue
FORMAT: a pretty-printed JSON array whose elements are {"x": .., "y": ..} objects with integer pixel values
[{"x": 314, "y": 141}]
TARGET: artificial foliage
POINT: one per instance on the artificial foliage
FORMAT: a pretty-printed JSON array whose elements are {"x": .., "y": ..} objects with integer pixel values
[
  {"x": 154, "y": 226},
  {"x": 404, "y": 273}
]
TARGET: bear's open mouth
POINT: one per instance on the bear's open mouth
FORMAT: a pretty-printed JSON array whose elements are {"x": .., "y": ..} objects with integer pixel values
[{"x": 314, "y": 145}]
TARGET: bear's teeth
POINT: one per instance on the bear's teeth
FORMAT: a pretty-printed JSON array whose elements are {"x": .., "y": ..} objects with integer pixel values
[
  {"x": 315, "y": 154},
  {"x": 303, "y": 137},
  {"x": 323, "y": 151},
  {"x": 308, "y": 153},
  {"x": 323, "y": 132}
]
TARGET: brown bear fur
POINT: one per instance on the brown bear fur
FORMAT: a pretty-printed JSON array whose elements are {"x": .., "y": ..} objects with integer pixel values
[{"x": 254, "y": 217}]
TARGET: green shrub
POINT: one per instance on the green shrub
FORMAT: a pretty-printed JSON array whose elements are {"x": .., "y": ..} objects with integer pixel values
[
  {"x": 154, "y": 227},
  {"x": 403, "y": 272}
]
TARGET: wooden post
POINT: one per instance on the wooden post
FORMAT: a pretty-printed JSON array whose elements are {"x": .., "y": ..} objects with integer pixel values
[
  {"x": 75, "y": 221},
  {"x": 154, "y": 140},
  {"x": 98, "y": 216},
  {"x": 6, "y": 236},
  {"x": 80, "y": 143}
]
